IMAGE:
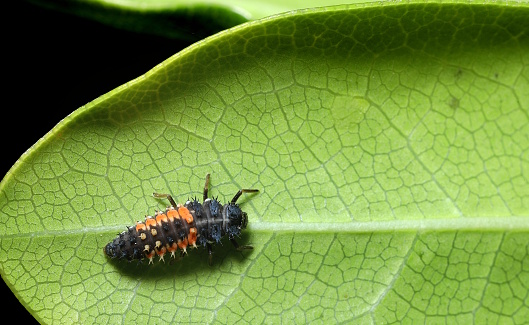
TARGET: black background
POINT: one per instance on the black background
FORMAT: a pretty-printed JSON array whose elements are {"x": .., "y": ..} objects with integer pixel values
[{"x": 55, "y": 63}]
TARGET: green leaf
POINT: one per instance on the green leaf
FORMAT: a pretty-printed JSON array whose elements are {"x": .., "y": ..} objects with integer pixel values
[
  {"x": 186, "y": 20},
  {"x": 390, "y": 146},
  {"x": 189, "y": 21}
]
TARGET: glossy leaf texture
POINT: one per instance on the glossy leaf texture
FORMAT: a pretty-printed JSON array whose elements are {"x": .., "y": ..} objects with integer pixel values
[{"x": 390, "y": 145}]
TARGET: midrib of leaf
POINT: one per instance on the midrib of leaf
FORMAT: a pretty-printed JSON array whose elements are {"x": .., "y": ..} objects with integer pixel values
[{"x": 511, "y": 223}]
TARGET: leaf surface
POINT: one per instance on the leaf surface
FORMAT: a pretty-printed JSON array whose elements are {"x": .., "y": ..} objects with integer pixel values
[{"x": 390, "y": 145}]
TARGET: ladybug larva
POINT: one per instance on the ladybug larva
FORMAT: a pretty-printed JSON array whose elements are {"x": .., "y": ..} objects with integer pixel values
[{"x": 180, "y": 226}]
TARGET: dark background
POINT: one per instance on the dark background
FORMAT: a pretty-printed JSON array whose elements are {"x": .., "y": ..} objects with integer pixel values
[{"x": 55, "y": 63}]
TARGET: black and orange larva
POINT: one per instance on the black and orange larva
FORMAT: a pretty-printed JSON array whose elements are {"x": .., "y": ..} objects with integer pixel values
[{"x": 181, "y": 226}]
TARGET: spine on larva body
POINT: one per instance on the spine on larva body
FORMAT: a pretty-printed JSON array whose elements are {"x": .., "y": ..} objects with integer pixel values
[
  {"x": 177, "y": 228},
  {"x": 166, "y": 232}
]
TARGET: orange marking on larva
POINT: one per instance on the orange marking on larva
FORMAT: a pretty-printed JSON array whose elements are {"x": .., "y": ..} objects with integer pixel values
[
  {"x": 149, "y": 222},
  {"x": 161, "y": 251},
  {"x": 182, "y": 244},
  {"x": 172, "y": 248},
  {"x": 192, "y": 237},
  {"x": 184, "y": 213},
  {"x": 140, "y": 226},
  {"x": 161, "y": 217},
  {"x": 172, "y": 214}
]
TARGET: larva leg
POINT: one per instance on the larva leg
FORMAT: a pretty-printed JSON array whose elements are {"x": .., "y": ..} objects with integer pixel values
[
  {"x": 206, "y": 186},
  {"x": 239, "y": 247},
  {"x": 244, "y": 190},
  {"x": 165, "y": 196},
  {"x": 210, "y": 254}
]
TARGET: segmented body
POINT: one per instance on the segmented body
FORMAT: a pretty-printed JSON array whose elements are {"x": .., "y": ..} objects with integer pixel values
[{"x": 179, "y": 227}]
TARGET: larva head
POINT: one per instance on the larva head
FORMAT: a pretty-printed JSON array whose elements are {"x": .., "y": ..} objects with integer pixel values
[
  {"x": 244, "y": 220},
  {"x": 237, "y": 219}
]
